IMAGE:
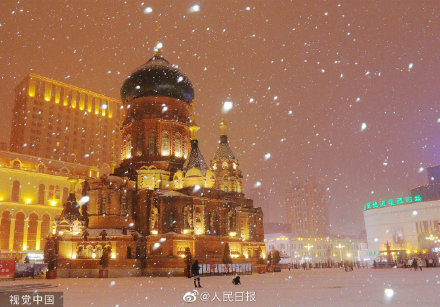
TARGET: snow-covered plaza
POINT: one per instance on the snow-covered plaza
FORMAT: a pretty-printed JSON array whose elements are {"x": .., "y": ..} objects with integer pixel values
[{"x": 319, "y": 287}]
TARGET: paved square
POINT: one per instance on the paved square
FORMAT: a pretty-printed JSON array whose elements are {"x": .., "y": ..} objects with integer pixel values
[{"x": 319, "y": 287}]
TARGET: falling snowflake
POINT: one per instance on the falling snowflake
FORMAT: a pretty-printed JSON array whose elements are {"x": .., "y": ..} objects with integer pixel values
[
  {"x": 194, "y": 8},
  {"x": 227, "y": 106},
  {"x": 389, "y": 293},
  {"x": 363, "y": 126},
  {"x": 158, "y": 46},
  {"x": 148, "y": 10},
  {"x": 267, "y": 156}
]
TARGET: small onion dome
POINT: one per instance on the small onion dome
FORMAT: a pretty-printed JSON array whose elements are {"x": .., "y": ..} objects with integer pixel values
[{"x": 157, "y": 77}]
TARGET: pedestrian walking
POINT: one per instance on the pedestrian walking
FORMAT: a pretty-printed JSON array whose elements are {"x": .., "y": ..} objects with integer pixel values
[
  {"x": 195, "y": 271},
  {"x": 419, "y": 263},
  {"x": 414, "y": 264}
]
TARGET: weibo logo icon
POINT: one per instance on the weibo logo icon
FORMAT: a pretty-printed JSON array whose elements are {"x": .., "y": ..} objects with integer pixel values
[{"x": 190, "y": 296}]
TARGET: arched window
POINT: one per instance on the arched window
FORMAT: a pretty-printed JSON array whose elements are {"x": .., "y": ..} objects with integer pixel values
[
  {"x": 5, "y": 227},
  {"x": 234, "y": 186},
  {"x": 41, "y": 194},
  {"x": 45, "y": 228},
  {"x": 98, "y": 251},
  {"x": 15, "y": 196},
  {"x": 139, "y": 145},
  {"x": 51, "y": 192},
  {"x": 165, "y": 144},
  {"x": 80, "y": 251},
  {"x": 89, "y": 251},
  {"x": 177, "y": 147},
  {"x": 185, "y": 148},
  {"x": 18, "y": 231},
  {"x": 151, "y": 143},
  {"x": 57, "y": 192},
  {"x": 41, "y": 168},
  {"x": 126, "y": 151},
  {"x": 32, "y": 231}
]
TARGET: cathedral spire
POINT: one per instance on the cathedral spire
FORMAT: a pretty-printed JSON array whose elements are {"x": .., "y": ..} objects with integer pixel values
[
  {"x": 193, "y": 128},
  {"x": 223, "y": 150},
  {"x": 222, "y": 126},
  {"x": 195, "y": 158},
  {"x": 158, "y": 47}
]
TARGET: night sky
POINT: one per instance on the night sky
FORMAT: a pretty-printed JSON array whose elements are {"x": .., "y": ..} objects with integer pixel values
[{"x": 345, "y": 92}]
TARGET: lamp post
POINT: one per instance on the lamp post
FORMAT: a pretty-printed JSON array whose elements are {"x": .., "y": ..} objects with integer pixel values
[
  {"x": 340, "y": 246},
  {"x": 308, "y": 246}
]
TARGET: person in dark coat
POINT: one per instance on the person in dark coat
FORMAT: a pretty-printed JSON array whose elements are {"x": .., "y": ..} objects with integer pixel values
[
  {"x": 195, "y": 271},
  {"x": 414, "y": 264},
  {"x": 236, "y": 280}
]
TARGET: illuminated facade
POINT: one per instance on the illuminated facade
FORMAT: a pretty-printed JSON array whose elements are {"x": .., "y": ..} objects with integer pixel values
[
  {"x": 407, "y": 227},
  {"x": 33, "y": 191},
  {"x": 59, "y": 121},
  {"x": 307, "y": 209},
  {"x": 401, "y": 227},
  {"x": 163, "y": 201},
  {"x": 297, "y": 250}
]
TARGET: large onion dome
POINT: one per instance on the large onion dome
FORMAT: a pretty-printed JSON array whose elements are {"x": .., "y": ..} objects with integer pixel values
[{"x": 157, "y": 77}]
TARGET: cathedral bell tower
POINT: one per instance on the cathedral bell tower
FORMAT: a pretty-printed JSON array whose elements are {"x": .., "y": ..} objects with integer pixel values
[
  {"x": 225, "y": 166},
  {"x": 157, "y": 99}
]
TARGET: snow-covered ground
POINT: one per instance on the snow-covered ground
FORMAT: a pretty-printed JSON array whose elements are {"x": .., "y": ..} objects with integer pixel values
[{"x": 319, "y": 287}]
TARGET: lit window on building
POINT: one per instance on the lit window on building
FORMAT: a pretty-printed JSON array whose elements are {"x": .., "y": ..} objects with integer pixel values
[
  {"x": 177, "y": 146},
  {"x": 165, "y": 144}
]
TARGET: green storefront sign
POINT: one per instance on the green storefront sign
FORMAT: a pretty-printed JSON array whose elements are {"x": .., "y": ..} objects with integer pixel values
[{"x": 393, "y": 202}]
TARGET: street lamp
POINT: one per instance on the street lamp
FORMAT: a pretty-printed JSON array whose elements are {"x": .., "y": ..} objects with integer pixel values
[
  {"x": 340, "y": 246},
  {"x": 308, "y": 246}
]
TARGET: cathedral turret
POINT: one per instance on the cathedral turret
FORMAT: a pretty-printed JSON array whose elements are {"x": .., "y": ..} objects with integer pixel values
[
  {"x": 225, "y": 165},
  {"x": 195, "y": 159},
  {"x": 195, "y": 170}
]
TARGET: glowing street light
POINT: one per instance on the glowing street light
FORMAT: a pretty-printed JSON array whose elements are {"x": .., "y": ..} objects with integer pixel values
[
  {"x": 308, "y": 246},
  {"x": 340, "y": 246}
]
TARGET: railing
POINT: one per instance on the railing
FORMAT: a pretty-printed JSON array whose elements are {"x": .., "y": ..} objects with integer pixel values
[{"x": 224, "y": 269}]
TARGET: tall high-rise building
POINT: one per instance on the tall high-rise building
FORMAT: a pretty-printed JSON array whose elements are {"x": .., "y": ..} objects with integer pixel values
[
  {"x": 307, "y": 209},
  {"x": 59, "y": 121}
]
